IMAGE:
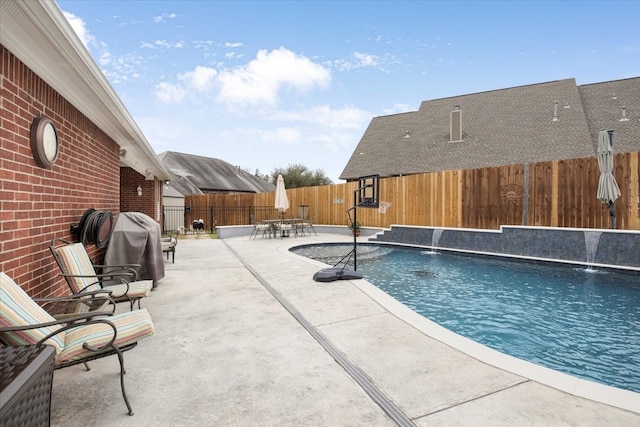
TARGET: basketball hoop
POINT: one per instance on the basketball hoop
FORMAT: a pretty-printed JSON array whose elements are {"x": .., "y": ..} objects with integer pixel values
[{"x": 382, "y": 208}]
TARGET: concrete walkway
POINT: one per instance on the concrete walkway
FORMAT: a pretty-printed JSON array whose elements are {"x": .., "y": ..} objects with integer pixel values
[{"x": 231, "y": 349}]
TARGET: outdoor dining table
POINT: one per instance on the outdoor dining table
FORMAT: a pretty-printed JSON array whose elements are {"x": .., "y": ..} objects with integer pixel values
[{"x": 274, "y": 223}]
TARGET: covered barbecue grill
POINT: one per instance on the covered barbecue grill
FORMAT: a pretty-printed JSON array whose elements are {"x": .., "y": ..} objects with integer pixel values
[{"x": 136, "y": 240}]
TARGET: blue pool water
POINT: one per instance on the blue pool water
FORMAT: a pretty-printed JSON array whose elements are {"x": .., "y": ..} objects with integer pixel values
[{"x": 584, "y": 323}]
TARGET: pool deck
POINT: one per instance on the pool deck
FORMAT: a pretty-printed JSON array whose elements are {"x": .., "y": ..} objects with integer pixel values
[{"x": 245, "y": 337}]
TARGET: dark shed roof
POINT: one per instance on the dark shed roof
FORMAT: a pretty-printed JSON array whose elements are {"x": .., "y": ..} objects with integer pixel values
[{"x": 191, "y": 174}]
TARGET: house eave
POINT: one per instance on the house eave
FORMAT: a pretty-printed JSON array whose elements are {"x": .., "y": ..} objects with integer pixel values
[{"x": 39, "y": 35}]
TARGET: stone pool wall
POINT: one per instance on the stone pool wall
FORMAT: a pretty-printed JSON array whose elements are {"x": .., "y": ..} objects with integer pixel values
[{"x": 615, "y": 248}]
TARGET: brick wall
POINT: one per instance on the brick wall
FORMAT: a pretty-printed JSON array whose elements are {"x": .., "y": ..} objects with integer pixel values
[
  {"x": 129, "y": 199},
  {"x": 39, "y": 204}
]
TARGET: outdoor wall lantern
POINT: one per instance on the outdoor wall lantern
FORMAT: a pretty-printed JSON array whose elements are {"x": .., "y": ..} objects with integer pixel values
[{"x": 139, "y": 190}]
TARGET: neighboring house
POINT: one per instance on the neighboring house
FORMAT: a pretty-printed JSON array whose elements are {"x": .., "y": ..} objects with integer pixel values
[
  {"x": 196, "y": 175},
  {"x": 102, "y": 157},
  {"x": 191, "y": 174},
  {"x": 535, "y": 123}
]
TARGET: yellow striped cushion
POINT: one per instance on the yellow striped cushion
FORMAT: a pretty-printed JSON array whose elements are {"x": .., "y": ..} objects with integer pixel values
[
  {"x": 132, "y": 326},
  {"x": 18, "y": 309},
  {"x": 75, "y": 260}
]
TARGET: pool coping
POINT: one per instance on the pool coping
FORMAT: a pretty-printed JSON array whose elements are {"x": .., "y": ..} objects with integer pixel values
[{"x": 616, "y": 397}]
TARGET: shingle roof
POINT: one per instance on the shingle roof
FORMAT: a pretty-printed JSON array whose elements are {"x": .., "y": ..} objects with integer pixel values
[
  {"x": 191, "y": 174},
  {"x": 603, "y": 104},
  {"x": 500, "y": 127}
]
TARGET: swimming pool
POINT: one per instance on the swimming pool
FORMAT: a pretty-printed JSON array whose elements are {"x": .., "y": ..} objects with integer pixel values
[{"x": 582, "y": 322}]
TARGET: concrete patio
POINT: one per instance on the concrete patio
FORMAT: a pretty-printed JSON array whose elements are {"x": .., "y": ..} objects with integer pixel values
[{"x": 245, "y": 337}]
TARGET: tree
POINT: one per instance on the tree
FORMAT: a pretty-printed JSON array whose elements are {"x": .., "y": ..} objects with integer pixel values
[
  {"x": 262, "y": 176},
  {"x": 296, "y": 176}
]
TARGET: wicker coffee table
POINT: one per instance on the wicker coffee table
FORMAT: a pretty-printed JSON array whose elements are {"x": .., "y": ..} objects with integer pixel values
[{"x": 26, "y": 378}]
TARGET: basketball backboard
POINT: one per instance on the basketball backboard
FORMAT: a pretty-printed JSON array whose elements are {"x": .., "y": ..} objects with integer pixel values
[{"x": 368, "y": 193}]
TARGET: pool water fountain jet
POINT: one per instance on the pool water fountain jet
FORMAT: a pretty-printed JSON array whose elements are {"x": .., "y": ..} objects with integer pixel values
[
  {"x": 435, "y": 240},
  {"x": 591, "y": 240}
]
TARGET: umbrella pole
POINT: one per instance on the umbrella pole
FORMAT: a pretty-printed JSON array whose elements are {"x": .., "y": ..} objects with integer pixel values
[
  {"x": 355, "y": 242},
  {"x": 612, "y": 215},
  {"x": 612, "y": 206}
]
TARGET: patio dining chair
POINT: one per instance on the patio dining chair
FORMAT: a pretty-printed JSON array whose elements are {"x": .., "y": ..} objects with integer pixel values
[
  {"x": 81, "y": 276},
  {"x": 76, "y": 340},
  {"x": 285, "y": 228},
  {"x": 258, "y": 227},
  {"x": 306, "y": 225}
]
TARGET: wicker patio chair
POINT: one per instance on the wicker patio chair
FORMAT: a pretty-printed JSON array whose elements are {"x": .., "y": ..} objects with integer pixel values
[
  {"x": 76, "y": 339},
  {"x": 81, "y": 276}
]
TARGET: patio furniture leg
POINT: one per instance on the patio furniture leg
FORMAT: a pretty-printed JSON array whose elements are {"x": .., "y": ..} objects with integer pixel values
[{"x": 122, "y": 372}]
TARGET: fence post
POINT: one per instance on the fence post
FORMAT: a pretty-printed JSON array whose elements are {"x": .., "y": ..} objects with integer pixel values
[{"x": 213, "y": 218}]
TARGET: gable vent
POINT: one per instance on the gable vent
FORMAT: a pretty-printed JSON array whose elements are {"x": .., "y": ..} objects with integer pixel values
[{"x": 455, "y": 125}]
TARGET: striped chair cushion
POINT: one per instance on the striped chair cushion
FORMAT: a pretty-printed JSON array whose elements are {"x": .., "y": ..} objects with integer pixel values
[
  {"x": 75, "y": 260},
  {"x": 132, "y": 326},
  {"x": 141, "y": 288},
  {"x": 18, "y": 309}
]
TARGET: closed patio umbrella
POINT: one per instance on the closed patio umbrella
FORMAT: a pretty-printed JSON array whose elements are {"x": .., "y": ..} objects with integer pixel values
[
  {"x": 282, "y": 201},
  {"x": 608, "y": 190}
]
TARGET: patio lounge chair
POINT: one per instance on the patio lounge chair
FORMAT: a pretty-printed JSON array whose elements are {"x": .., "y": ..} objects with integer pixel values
[
  {"x": 76, "y": 339},
  {"x": 81, "y": 275}
]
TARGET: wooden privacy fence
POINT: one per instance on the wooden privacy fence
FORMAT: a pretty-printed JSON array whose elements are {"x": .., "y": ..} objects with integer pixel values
[{"x": 556, "y": 194}]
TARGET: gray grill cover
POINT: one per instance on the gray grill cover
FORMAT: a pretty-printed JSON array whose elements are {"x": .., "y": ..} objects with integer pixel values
[{"x": 136, "y": 240}]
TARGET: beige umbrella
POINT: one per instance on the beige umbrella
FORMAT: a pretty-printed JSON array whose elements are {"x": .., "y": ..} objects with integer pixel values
[
  {"x": 282, "y": 201},
  {"x": 608, "y": 190},
  {"x": 282, "y": 204}
]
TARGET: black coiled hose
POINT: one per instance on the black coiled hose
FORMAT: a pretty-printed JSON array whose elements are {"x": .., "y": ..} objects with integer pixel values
[{"x": 95, "y": 227}]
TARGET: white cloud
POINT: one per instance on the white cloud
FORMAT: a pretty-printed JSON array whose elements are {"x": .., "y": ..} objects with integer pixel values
[
  {"x": 357, "y": 60},
  {"x": 169, "y": 93},
  {"x": 233, "y": 45},
  {"x": 197, "y": 81},
  {"x": 365, "y": 60},
  {"x": 169, "y": 45},
  {"x": 200, "y": 79},
  {"x": 80, "y": 28},
  {"x": 259, "y": 82},
  {"x": 261, "y": 79},
  {"x": 163, "y": 18}
]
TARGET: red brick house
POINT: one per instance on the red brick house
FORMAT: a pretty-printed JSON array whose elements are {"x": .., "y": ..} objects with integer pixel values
[{"x": 102, "y": 156}]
